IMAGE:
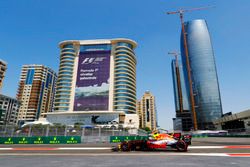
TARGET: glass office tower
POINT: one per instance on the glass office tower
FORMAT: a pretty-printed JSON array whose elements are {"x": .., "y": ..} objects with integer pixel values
[
  {"x": 184, "y": 89},
  {"x": 184, "y": 116},
  {"x": 203, "y": 71}
]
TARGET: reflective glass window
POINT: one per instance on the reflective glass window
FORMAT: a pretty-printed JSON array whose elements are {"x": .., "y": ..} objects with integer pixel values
[
  {"x": 125, "y": 44},
  {"x": 64, "y": 100},
  {"x": 63, "y": 88},
  {"x": 66, "y": 72},
  {"x": 68, "y": 50},
  {"x": 66, "y": 69},
  {"x": 62, "y": 96},
  {"x": 68, "y": 46}
]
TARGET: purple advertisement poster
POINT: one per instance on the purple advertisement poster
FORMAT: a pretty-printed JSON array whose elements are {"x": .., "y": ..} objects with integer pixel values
[{"x": 92, "y": 82}]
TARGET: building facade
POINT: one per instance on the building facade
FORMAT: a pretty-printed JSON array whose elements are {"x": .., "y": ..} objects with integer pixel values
[
  {"x": 3, "y": 67},
  {"x": 36, "y": 91},
  {"x": 96, "y": 81},
  {"x": 183, "y": 120},
  {"x": 146, "y": 109},
  {"x": 9, "y": 108},
  {"x": 203, "y": 71},
  {"x": 237, "y": 123}
]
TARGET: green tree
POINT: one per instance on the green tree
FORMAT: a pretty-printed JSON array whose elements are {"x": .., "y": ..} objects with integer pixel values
[
  {"x": 78, "y": 125},
  {"x": 147, "y": 129}
]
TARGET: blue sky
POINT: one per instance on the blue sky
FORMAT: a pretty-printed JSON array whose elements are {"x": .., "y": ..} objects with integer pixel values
[{"x": 31, "y": 30}]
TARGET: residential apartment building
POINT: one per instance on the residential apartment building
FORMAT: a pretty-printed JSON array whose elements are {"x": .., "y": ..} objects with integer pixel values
[
  {"x": 146, "y": 109},
  {"x": 3, "y": 67},
  {"x": 36, "y": 91},
  {"x": 9, "y": 108}
]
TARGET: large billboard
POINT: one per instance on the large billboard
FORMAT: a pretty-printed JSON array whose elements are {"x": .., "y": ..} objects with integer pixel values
[{"x": 92, "y": 82}]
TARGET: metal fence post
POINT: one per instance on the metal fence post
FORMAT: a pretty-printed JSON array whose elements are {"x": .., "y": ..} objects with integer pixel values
[
  {"x": 113, "y": 132},
  {"x": 65, "y": 131},
  {"x": 83, "y": 131},
  {"x": 47, "y": 131},
  {"x": 99, "y": 132},
  {"x": 29, "y": 133},
  {"x": 5, "y": 128},
  {"x": 12, "y": 131}
]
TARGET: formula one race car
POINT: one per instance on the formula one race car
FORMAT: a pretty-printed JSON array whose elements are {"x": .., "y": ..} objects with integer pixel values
[{"x": 157, "y": 142}]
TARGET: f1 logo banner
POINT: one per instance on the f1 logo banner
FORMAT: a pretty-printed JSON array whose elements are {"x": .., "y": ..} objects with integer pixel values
[{"x": 92, "y": 81}]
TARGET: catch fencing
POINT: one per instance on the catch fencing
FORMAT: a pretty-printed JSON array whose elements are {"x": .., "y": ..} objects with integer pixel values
[{"x": 88, "y": 135}]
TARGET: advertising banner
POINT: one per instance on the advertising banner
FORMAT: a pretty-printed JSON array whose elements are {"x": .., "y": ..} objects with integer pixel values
[
  {"x": 41, "y": 140},
  {"x": 92, "y": 83},
  {"x": 117, "y": 139}
]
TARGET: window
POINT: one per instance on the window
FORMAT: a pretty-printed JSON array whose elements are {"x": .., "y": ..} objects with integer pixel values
[
  {"x": 68, "y": 46},
  {"x": 125, "y": 44}
]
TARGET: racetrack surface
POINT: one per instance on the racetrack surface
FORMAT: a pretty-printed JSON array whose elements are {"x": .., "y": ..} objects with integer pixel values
[{"x": 202, "y": 152}]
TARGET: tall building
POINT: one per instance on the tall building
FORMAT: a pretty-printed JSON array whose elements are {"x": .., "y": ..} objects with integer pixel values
[
  {"x": 9, "y": 108},
  {"x": 36, "y": 91},
  {"x": 146, "y": 109},
  {"x": 203, "y": 71},
  {"x": 96, "y": 82},
  {"x": 183, "y": 120},
  {"x": 3, "y": 67}
]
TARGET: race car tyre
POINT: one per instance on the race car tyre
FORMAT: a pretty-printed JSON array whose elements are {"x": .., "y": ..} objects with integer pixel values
[
  {"x": 181, "y": 146},
  {"x": 125, "y": 147}
]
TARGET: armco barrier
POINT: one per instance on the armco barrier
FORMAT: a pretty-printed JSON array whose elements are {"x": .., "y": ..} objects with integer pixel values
[
  {"x": 212, "y": 135},
  {"x": 199, "y": 136},
  {"x": 117, "y": 139},
  {"x": 41, "y": 140},
  {"x": 240, "y": 136}
]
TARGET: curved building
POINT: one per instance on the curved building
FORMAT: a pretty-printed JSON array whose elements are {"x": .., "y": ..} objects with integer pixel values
[
  {"x": 203, "y": 72},
  {"x": 96, "y": 77}
]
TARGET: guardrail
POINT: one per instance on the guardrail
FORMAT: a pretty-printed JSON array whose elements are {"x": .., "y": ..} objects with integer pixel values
[{"x": 215, "y": 135}]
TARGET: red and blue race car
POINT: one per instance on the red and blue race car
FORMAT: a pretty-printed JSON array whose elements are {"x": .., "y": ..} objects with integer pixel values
[{"x": 157, "y": 141}]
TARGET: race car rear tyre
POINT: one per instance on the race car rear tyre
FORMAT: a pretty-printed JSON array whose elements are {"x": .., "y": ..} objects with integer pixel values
[
  {"x": 125, "y": 147},
  {"x": 181, "y": 146}
]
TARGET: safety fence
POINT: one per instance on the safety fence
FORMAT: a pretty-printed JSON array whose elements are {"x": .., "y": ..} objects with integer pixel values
[
  {"x": 87, "y": 135},
  {"x": 63, "y": 139}
]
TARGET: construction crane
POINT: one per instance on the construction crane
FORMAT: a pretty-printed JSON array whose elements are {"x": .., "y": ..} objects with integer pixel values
[
  {"x": 181, "y": 12},
  {"x": 178, "y": 79}
]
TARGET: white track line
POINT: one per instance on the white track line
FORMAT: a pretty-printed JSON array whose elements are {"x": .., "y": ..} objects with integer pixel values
[
  {"x": 84, "y": 148},
  {"x": 5, "y": 148},
  {"x": 127, "y": 154},
  {"x": 205, "y": 147},
  {"x": 109, "y": 148}
]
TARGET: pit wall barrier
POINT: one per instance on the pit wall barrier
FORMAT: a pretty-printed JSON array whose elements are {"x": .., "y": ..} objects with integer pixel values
[
  {"x": 41, "y": 140},
  {"x": 118, "y": 139},
  {"x": 199, "y": 136},
  {"x": 212, "y": 135}
]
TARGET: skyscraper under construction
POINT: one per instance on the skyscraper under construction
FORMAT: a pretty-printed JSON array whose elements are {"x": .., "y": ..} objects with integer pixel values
[{"x": 203, "y": 72}]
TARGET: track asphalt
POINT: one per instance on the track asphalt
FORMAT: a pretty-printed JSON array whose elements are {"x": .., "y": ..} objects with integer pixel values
[{"x": 203, "y": 152}]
